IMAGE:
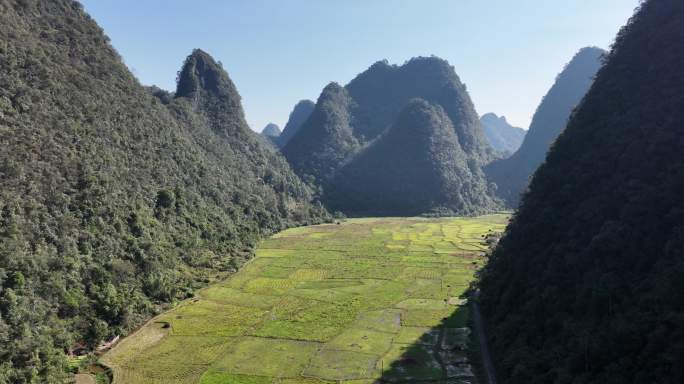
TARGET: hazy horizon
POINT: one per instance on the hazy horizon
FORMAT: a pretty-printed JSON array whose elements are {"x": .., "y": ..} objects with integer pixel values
[{"x": 277, "y": 54}]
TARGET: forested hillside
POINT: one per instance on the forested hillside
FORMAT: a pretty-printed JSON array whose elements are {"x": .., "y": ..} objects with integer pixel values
[
  {"x": 417, "y": 167},
  {"x": 301, "y": 111},
  {"x": 326, "y": 139},
  {"x": 502, "y": 136},
  {"x": 512, "y": 175},
  {"x": 586, "y": 285},
  {"x": 348, "y": 125},
  {"x": 117, "y": 198}
]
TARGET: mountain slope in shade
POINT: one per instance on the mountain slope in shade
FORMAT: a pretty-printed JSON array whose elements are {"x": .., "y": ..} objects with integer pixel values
[
  {"x": 347, "y": 119},
  {"x": 512, "y": 175},
  {"x": 117, "y": 199},
  {"x": 298, "y": 116},
  {"x": 383, "y": 90},
  {"x": 586, "y": 284},
  {"x": 502, "y": 136},
  {"x": 417, "y": 166},
  {"x": 373, "y": 102},
  {"x": 326, "y": 139}
]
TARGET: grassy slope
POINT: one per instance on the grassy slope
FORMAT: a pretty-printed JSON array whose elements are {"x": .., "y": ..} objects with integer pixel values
[{"x": 329, "y": 302}]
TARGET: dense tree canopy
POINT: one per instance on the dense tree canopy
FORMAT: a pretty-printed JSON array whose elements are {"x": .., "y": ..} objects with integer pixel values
[
  {"x": 585, "y": 286},
  {"x": 416, "y": 167},
  {"x": 326, "y": 139},
  {"x": 116, "y": 198},
  {"x": 512, "y": 175}
]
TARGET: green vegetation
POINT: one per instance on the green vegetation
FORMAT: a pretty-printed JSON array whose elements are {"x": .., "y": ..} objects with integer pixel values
[
  {"x": 117, "y": 199},
  {"x": 418, "y": 166},
  {"x": 353, "y": 145},
  {"x": 300, "y": 113},
  {"x": 319, "y": 304},
  {"x": 512, "y": 175},
  {"x": 586, "y": 285}
]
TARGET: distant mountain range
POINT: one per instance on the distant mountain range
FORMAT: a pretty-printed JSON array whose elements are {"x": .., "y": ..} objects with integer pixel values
[
  {"x": 511, "y": 175},
  {"x": 354, "y": 123},
  {"x": 502, "y": 136}
]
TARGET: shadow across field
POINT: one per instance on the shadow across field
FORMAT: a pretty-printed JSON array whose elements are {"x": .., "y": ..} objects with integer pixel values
[{"x": 445, "y": 353}]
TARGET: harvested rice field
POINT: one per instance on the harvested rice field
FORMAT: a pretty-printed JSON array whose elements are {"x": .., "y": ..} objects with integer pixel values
[{"x": 364, "y": 301}]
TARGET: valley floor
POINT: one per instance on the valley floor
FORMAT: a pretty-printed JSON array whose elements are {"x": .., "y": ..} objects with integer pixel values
[{"x": 356, "y": 302}]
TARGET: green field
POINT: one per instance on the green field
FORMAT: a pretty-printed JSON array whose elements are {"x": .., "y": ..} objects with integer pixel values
[{"x": 354, "y": 302}]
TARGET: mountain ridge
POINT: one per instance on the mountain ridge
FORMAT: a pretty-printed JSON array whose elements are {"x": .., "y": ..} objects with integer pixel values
[
  {"x": 360, "y": 113},
  {"x": 585, "y": 286},
  {"x": 300, "y": 113},
  {"x": 502, "y": 136},
  {"x": 512, "y": 175}
]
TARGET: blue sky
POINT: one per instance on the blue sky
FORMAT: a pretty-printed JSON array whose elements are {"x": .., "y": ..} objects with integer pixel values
[{"x": 280, "y": 51}]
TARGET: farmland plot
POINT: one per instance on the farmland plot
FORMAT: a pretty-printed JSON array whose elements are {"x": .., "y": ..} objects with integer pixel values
[{"x": 356, "y": 302}]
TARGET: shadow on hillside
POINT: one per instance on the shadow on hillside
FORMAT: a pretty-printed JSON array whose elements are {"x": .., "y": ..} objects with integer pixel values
[{"x": 446, "y": 353}]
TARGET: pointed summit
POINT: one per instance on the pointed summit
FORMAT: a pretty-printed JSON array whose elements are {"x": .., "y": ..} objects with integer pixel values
[
  {"x": 205, "y": 83},
  {"x": 98, "y": 172},
  {"x": 383, "y": 90},
  {"x": 202, "y": 74},
  {"x": 271, "y": 130},
  {"x": 298, "y": 116},
  {"x": 326, "y": 140},
  {"x": 374, "y": 98}
]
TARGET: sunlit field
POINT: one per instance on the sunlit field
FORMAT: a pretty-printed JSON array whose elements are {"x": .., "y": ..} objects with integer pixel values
[{"x": 353, "y": 302}]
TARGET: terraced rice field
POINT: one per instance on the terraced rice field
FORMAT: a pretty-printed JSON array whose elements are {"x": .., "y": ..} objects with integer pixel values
[{"x": 356, "y": 302}]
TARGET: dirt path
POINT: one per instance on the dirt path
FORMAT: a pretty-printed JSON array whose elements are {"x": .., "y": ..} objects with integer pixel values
[{"x": 490, "y": 373}]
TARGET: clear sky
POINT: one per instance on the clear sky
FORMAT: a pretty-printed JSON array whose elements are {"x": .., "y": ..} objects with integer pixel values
[{"x": 280, "y": 51}]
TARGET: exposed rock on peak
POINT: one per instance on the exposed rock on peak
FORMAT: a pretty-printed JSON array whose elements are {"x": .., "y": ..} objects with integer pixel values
[{"x": 205, "y": 83}]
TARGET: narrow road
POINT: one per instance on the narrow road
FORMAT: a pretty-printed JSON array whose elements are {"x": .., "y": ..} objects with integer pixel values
[{"x": 490, "y": 373}]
